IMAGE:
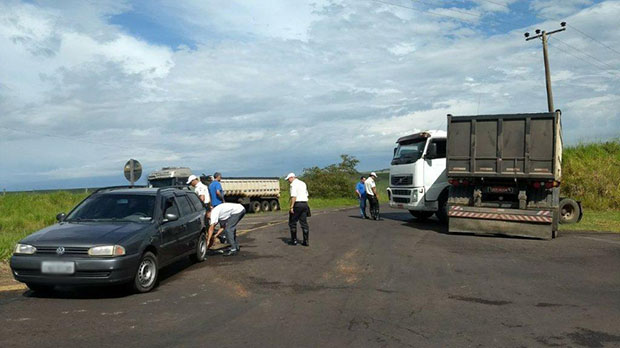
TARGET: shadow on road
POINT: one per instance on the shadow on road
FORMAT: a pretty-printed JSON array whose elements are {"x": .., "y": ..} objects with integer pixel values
[{"x": 431, "y": 224}]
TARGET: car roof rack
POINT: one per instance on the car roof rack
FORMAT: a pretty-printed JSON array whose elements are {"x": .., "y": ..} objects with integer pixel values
[
  {"x": 178, "y": 187},
  {"x": 110, "y": 188}
]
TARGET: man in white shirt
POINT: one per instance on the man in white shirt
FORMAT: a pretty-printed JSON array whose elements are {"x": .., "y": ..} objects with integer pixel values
[
  {"x": 373, "y": 197},
  {"x": 228, "y": 216},
  {"x": 201, "y": 189},
  {"x": 299, "y": 210}
]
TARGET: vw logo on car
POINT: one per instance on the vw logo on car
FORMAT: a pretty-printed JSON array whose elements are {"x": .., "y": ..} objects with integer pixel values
[{"x": 60, "y": 250}]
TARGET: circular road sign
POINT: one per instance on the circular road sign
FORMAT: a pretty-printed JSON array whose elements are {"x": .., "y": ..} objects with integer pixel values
[{"x": 132, "y": 170}]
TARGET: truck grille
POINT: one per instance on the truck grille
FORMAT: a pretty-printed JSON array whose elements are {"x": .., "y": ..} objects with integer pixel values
[
  {"x": 401, "y": 180},
  {"x": 400, "y": 200},
  {"x": 401, "y": 192},
  {"x": 73, "y": 251}
]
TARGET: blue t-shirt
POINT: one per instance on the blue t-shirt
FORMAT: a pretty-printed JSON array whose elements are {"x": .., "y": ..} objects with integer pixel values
[
  {"x": 360, "y": 187},
  {"x": 213, "y": 187}
]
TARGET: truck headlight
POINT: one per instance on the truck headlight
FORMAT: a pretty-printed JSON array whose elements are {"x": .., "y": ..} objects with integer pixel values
[
  {"x": 25, "y": 249},
  {"x": 415, "y": 195},
  {"x": 107, "y": 250}
]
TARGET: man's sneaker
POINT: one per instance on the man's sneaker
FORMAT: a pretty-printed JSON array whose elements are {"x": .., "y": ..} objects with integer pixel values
[
  {"x": 292, "y": 242},
  {"x": 231, "y": 252}
]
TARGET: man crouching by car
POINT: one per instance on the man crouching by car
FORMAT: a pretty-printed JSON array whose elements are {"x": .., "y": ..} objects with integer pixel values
[{"x": 228, "y": 216}]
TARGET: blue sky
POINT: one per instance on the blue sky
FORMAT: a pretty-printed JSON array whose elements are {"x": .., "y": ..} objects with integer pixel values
[{"x": 272, "y": 86}]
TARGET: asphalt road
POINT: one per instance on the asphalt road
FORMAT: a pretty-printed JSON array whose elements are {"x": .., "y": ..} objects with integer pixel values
[{"x": 365, "y": 283}]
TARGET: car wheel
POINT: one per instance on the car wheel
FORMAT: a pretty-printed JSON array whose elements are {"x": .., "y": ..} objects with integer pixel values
[
  {"x": 201, "y": 249},
  {"x": 146, "y": 276},
  {"x": 265, "y": 206},
  {"x": 40, "y": 287},
  {"x": 275, "y": 205}
]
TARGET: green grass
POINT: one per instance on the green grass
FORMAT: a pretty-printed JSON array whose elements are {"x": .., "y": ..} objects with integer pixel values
[
  {"x": 607, "y": 221},
  {"x": 25, "y": 213}
]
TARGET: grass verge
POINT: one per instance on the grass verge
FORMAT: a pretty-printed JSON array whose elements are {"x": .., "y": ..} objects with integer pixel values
[{"x": 605, "y": 221}]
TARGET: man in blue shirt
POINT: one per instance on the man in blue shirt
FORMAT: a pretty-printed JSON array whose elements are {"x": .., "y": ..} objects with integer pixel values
[
  {"x": 216, "y": 191},
  {"x": 360, "y": 189}
]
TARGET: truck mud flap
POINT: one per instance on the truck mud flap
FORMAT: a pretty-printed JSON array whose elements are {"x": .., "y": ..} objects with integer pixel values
[{"x": 510, "y": 222}]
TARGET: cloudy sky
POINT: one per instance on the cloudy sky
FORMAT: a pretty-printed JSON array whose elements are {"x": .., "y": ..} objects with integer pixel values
[{"x": 263, "y": 87}]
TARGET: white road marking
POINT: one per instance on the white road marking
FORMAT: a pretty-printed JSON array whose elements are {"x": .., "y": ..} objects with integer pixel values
[{"x": 602, "y": 240}]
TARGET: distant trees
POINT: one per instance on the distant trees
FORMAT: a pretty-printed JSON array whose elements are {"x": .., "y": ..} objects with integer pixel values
[{"x": 334, "y": 181}]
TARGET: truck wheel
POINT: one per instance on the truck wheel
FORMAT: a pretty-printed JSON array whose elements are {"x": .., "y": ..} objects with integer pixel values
[
  {"x": 442, "y": 211},
  {"x": 274, "y": 204},
  {"x": 255, "y": 206},
  {"x": 201, "y": 249},
  {"x": 265, "y": 206},
  {"x": 569, "y": 211},
  {"x": 421, "y": 215},
  {"x": 146, "y": 275}
]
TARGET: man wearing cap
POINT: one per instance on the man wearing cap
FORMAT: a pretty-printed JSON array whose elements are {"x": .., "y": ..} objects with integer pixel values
[
  {"x": 298, "y": 210},
  {"x": 201, "y": 189},
  {"x": 228, "y": 216},
  {"x": 215, "y": 188},
  {"x": 371, "y": 193}
]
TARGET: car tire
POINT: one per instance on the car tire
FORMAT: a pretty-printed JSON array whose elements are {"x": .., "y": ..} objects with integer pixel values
[
  {"x": 200, "y": 253},
  {"x": 255, "y": 206},
  {"x": 274, "y": 204},
  {"x": 265, "y": 206},
  {"x": 40, "y": 287},
  {"x": 421, "y": 215},
  {"x": 146, "y": 274}
]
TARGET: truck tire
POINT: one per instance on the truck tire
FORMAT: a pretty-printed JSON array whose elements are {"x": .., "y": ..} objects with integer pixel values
[
  {"x": 274, "y": 204},
  {"x": 254, "y": 206},
  {"x": 421, "y": 215},
  {"x": 442, "y": 210},
  {"x": 569, "y": 211},
  {"x": 265, "y": 206}
]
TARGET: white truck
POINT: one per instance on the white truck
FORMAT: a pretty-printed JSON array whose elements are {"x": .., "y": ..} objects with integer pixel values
[
  {"x": 418, "y": 181},
  {"x": 255, "y": 193}
]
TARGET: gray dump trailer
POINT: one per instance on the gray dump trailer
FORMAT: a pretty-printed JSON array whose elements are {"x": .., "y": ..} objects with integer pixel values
[{"x": 505, "y": 173}]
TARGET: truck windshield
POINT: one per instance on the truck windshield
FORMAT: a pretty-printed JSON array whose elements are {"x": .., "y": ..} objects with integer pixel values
[
  {"x": 162, "y": 182},
  {"x": 409, "y": 151},
  {"x": 115, "y": 207}
]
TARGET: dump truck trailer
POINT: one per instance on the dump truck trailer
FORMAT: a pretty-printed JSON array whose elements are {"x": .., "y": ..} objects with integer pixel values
[
  {"x": 255, "y": 193},
  {"x": 505, "y": 173}
]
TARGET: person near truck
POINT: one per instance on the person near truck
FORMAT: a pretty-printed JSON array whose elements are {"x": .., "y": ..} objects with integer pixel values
[
  {"x": 201, "y": 190},
  {"x": 215, "y": 188},
  {"x": 360, "y": 190},
  {"x": 299, "y": 210},
  {"x": 228, "y": 216},
  {"x": 371, "y": 191}
]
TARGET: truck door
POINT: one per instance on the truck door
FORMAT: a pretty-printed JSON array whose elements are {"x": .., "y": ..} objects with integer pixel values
[
  {"x": 171, "y": 230},
  {"x": 435, "y": 179}
]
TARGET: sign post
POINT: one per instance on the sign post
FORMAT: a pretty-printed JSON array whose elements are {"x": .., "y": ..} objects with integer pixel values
[{"x": 132, "y": 171}]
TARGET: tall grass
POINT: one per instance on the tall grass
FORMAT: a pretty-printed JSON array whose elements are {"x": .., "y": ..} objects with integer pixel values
[
  {"x": 591, "y": 174},
  {"x": 24, "y": 213}
]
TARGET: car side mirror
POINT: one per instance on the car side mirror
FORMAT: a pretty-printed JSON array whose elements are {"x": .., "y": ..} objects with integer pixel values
[
  {"x": 431, "y": 152},
  {"x": 170, "y": 217},
  {"x": 60, "y": 217}
]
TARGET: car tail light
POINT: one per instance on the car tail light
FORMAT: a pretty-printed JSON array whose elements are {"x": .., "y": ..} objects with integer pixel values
[{"x": 536, "y": 185}]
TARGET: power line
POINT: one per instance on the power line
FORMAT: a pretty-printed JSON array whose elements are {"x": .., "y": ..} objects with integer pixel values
[
  {"x": 585, "y": 53},
  {"x": 425, "y": 11},
  {"x": 577, "y": 57},
  {"x": 592, "y": 38}
]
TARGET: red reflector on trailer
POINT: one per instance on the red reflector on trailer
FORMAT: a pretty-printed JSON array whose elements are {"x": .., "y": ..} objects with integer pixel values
[{"x": 536, "y": 185}]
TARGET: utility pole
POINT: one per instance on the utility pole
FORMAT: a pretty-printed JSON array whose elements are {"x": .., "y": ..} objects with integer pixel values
[{"x": 544, "y": 36}]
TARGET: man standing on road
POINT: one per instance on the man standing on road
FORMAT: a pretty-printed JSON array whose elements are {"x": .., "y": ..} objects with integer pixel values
[
  {"x": 371, "y": 193},
  {"x": 201, "y": 189},
  {"x": 228, "y": 216},
  {"x": 215, "y": 188},
  {"x": 360, "y": 189},
  {"x": 299, "y": 210}
]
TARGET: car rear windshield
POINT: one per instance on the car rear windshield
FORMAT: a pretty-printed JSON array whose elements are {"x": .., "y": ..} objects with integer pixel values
[{"x": 115, "y": 207}]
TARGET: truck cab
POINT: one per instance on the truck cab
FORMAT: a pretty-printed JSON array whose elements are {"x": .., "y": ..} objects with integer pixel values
[{"x": 418, "y": 181}]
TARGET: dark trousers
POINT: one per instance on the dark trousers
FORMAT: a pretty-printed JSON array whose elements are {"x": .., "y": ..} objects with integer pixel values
[
  {"x": 373, "y": 202},
  {"x": 300, "y": 213},
  {"x": 231, "y": 230}
]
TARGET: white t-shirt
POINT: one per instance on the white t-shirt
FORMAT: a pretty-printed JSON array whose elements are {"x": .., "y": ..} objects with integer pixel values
[
  {"x": 369, "y": 184},
  {"x": 224, "y": 211},
  {"x": 299, "y": 190},
  {"x": 202, "y": 190}
]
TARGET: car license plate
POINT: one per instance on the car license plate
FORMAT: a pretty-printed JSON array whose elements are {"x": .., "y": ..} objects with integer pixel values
[
  {"x": 501, "y": 189},
  {"x": 57, "y": 267},
  {"x": 401, "y": 206}
]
